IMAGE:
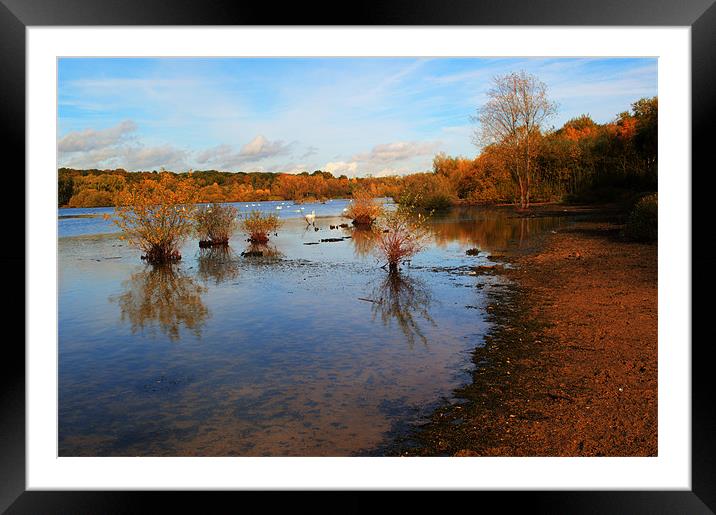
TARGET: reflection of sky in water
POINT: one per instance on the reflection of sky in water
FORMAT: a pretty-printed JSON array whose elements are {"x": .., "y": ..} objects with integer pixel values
[{"x": 308, "y": 352}]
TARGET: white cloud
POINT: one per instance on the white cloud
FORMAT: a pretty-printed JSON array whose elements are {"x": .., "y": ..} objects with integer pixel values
[
  {"x": 217, "y": 153},
  {"x": 341, "y": 168},
  {"x": 260, "y": 148},
  {"x": 91, "y": 139},
  {"x": 133, "y": 158},
  {"x": 398, "y": 151},
  {"x": 225, "y": 157},
  {"x": 116, "y": 147},
  {"x": 141, "y": 158},
  {"x": 290, "y": 168}
]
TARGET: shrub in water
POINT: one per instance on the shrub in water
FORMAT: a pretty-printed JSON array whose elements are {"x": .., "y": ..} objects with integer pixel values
[
  {"x": 642, "y": 224},
  {"x": 258, "y": 226},
  {"x": 156, "y": 217},
  {"x": 214, "y": 224},
  {"x": 364, "y": 209},
  {"x": 403, "y": 233}
]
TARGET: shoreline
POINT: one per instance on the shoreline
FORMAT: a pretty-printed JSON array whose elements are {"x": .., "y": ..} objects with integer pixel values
[{"x": 569, "y": 367}]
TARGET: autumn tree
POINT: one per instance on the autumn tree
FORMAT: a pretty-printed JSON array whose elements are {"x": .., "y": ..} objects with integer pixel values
[
  {"x": 156, "y": 217},
  {"x": 258, "y": 225},
  {"x": 214, "y": 224},
  {"x": 402, "y": 234},
  {"x": 512, "y": 118},
  {"x": 646, "y": 112},
  {"x": 65, "y": 186},
  {"x": 363, "y": 209}
]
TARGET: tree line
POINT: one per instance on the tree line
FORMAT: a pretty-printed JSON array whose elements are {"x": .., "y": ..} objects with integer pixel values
[{"x": 94, "y": 188}]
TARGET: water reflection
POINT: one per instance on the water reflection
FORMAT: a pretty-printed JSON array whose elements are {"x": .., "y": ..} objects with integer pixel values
[
  {"x": 406, "y": 300},
  {"x": 489, "y": 229},
  {"x": 219, "y": 264},
  {"x": 363, "y": 241},
  {"x": 163, "y": 297},
  {"x": 290, "y": 363},
  {"x": 262, "y": 250}
]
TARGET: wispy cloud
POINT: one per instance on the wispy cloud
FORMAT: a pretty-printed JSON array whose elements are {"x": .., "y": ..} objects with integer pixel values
[
  {"x": 116, "y": 147},
  {"x": 259, "y": 148},
  {"x": 398, "y": 151},
  {"x": 92, "y": 139},
  {"x": 310, "y": 151}
]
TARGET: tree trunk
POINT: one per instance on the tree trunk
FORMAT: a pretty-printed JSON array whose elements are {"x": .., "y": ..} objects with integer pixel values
[{"x": 527, "y": 174}]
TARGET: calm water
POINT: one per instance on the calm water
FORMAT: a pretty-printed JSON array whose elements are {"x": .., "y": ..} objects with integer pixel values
[{"x": 311, "y": 351}]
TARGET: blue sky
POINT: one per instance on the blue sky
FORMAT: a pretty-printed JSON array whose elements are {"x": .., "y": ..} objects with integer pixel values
[{"x": 353, "y": 116}]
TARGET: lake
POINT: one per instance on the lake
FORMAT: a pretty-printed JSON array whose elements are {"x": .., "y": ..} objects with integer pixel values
[{"x": 310, "y": 350}]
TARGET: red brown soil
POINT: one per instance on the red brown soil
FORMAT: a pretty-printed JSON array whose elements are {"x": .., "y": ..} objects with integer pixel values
[{"x": 570, "y": 368}]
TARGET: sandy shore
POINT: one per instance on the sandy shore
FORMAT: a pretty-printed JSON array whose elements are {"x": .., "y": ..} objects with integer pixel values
[{"x": 570, "y": 368}]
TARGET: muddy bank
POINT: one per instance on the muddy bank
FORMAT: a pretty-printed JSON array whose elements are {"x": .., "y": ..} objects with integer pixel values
[{"x": 570, "y": 367}]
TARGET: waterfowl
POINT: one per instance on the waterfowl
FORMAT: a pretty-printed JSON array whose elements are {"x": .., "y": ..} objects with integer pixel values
[{"x": 311, "y": 219}]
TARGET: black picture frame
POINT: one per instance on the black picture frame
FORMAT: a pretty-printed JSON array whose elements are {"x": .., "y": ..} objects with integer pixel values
[{"x": 700, "y": 15}]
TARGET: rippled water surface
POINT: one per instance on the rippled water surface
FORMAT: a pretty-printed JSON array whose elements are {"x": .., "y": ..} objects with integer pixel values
[{"x": 310, "y": 350}]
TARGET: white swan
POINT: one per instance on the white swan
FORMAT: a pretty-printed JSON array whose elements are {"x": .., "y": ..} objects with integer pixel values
[{"x": 311, "y": 219}]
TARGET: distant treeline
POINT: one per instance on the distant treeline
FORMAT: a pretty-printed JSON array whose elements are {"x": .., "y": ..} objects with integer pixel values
[
  {"x": 93, "y": 188},
  {"x": 581, "y": 160}
]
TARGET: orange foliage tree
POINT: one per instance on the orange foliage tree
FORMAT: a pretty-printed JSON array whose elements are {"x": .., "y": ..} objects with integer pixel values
[
  {"x": 403, "y": 233},
  {"x": 214, "y": 224},
  {"x": 258, "y": 226},
  {"x": 363, "y": 209},
  {"x": 156, "y": 217}
]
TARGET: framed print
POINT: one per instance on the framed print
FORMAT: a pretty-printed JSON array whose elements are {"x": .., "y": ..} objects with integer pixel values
[{"x": 415, "y": 251}]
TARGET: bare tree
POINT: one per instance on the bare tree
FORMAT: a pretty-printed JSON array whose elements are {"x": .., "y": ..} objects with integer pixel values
[{"x": 512, "y": 120}]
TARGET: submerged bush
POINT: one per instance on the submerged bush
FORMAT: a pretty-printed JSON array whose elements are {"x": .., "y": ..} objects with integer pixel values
[
  {"x": 156, "y": 217},
  {"x": 403, "y": 233},
  {"x": 363, "y": 210},
  {"x": 214, "y": 224},
  {"x": 258, "y": 226},
  {"x": 642, "y": 224}
]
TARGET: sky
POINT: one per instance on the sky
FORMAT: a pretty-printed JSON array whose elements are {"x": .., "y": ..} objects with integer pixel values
[{"x": 352, "y": 116}]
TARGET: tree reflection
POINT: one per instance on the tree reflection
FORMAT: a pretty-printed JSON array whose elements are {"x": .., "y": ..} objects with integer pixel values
[
  {"x": 261, "y": 250},
  {"x": 489, "y": 229},
  {"x": 218, "y": 264},
  {"x": 165, "y": 297},
  {"x": 405, "y": 300},
  {"x": 363, "y": 241}
]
